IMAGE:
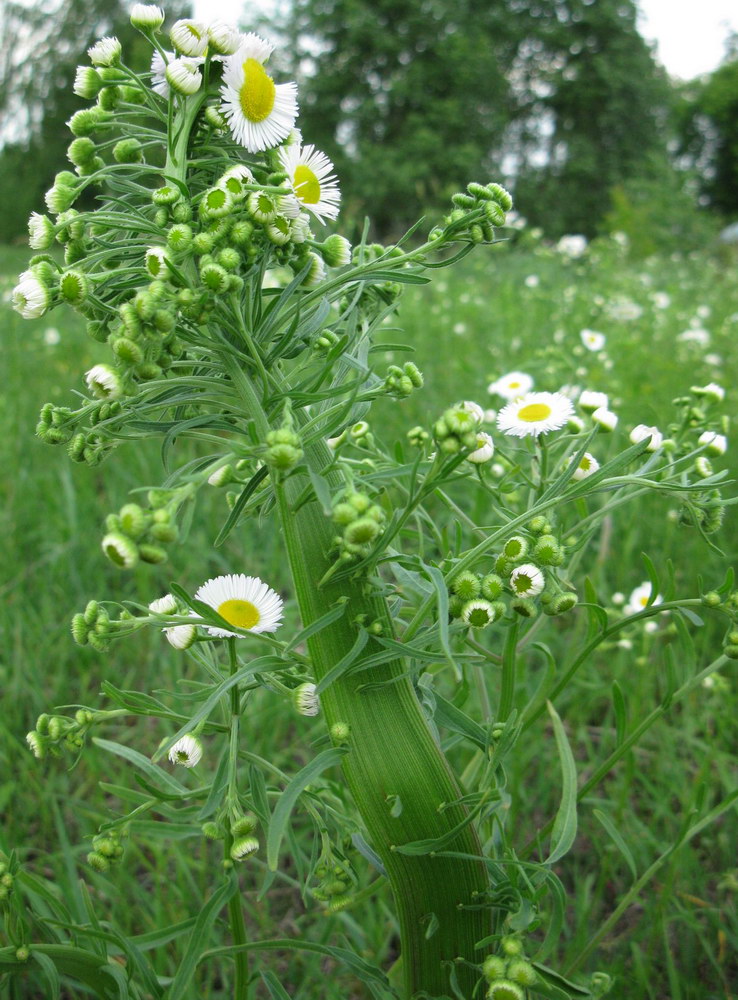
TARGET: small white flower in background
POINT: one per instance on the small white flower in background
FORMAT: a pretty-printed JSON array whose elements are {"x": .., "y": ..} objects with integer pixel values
[
  {"x": 105, "y": 52},
  {"x": 535, "y": 413},
  {"x": 695, "y": 335},
  {"x": 570, "y": 390},
  {"x": 661, "y": 300},
  {"x": 146, "y": 16},
  {"x": 180, "y": 636},
  {"x": 490, "y": 416},
  {"x": 712, "y": 391},
  {"x": 224, "y": 38},
  {"x": 312, "y": 178},
  {"x": 186, "y": 751},
  {"x": 714, "y": 359},
  {"x": 243, "y": 601},
  {"x": 527, "y": 580},
  {"x": 703, "y": 312},
  {"x": 459, "y": 329},
  {"x": 642, "y": 431},
  {"x": 618, "y": 599},
  {"x": 474, "y": 408},
  {"x": 51, "y": 336},
  {"x": 624, "y": 309},
  {"x": 484, "y": 451},
  {"x": 165, "y": 605},
  {"x": 605, "y": 418},
  {"x": 587, "y": 466},
  {"x": 532, "y": 281},
  {"x": 572, "y": 245},
  {"x": 184, "y": 76},
  {"x": 593, "y": 340},
  {"x": 30, "y": 296},
  {"x": 590, "y": 400},
  {"x": 305, "y": 699},
  {"x": 104, "y": 382},
  {"x": 189, "y": 37},
  {"x": 717, "y": 444},
  {"x": 640, "y": 598},
  {"x": 260, "y": 113},
  {"x": 512, "y": 385}
]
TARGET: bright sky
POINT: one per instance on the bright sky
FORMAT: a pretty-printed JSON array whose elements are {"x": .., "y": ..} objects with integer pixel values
[{"x": 690, "y": 34}]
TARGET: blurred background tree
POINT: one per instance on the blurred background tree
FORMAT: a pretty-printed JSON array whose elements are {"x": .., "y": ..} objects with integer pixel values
[{"x": 41, "y": 49}]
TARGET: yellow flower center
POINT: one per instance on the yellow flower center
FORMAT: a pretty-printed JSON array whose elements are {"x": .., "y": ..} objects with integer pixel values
[
  {"x": 644, "y": 601},
  {"x": 534, "y": 412},
  {"x": 307, "y": 185},
  {"x": 585, "y": 464},
  {"x": 242, "y": 614},
  {"x": 257, "y": 92},
  {"x": 514, "y": 385}
]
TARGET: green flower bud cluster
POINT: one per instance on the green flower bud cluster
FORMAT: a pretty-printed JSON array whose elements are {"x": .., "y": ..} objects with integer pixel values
[
  {"x": 138, "y": 534},
  {"x": 418, "y": 437},
  {"x": 6, "y": 879},
  {"x": 54, "y": 733},
  {"x": 325, "y": 341},
  {"x": 107, "y": 850},
  {"x": 362, "y": 522},
  {"x": 526, "y": 565},
  {"x": 336, "y": 885},
  {"x": 284, "y": 450},
  {"x": 93, "y": 627},
  {"x": 475, "y": 599},
  {"x": 475, "y": 213},
  {"x": 457, "y": 430},
  {"x": 705, "y": 511},
  {"x": 401, "y": 382},
  {"x": 509, "y": 973}
]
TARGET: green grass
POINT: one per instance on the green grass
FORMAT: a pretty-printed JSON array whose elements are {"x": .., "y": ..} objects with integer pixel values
[{"x": 679, "y": 939}]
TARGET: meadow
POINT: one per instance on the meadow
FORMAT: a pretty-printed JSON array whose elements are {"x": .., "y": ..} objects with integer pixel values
[{"x": 670, "y": 322}]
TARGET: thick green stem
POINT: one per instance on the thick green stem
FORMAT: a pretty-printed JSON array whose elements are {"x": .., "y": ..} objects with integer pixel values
[{"x": 392, "y": 756}]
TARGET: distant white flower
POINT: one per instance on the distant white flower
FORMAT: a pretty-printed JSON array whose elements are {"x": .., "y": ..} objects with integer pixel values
[
  {"x": 260, "y": 113},
  {"x": 661, "y": 300},
  {"x": 52, "y": 336},
  {"x": 243, "y": 601},
  {"x": 642, "y": 431},
  {"x": 572, "y": 245},
  {"x": 312, "y": 178},
  {"x": 695, "y": 335},
  {"x": 717, "y": 444},
  {"x": 187, "y": 751},
  {"x": 618, "y": 599},
  {"x": 459, "y": 329},
  {"x": 639, "y": 599},
  {"x": 624, "y": 309},
  {"x": 105, "y": 52},
  {"x": 605, "y": 418},
  {"x": 590, "y": 400},
  {"x": 535, "y": 413},
  {"x": 527, "y": 580},
  {"x": 587, "y": 466},
  {"x": 532, "y": 281},
  {"x": 512, "y": 385},
  {"x": 189, "y": 37},
  {"x": 31, "y": 297},
  {"x": 712, "y": 391},
  {"x": 484, "y": 451},
  {"x": 593, "y": 340}
]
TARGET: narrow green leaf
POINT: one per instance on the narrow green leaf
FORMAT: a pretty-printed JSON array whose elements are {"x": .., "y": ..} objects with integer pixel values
[
  {"x": 288, "y": 798},
  {"x": 249, "y": 489},
  {"x": 343, "y": 664},
  {"x": 618, "y": 840},
  {"x": 198, "y": 939},
  {"x": 451, "y": 717},
  {"x": 317, "y": 626},
  {"x": 621, "y": 712},
  {"x": 439, "y": 585},
  {"x": 556, "y": 986},
  {"x": 142, "y": 763},
  {"x": 276, "y": 990},
  {"x": 51, "y": 975},
  {"x": 565, "y": 825}
]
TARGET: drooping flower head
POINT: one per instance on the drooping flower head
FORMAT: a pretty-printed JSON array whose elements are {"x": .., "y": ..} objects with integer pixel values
[
  {"x": 259, "y": 112},
  {"x": 243, "y": 601},
  {"x": 312, "y": 179},
  {"x": 535, "y": 413}
]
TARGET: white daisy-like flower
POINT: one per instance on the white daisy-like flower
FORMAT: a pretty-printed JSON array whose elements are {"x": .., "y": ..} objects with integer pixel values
[
  {"x": 478, "y": 613},
  {"x": 243, "y": 601},
  {"x": 40, "y": 231},
  {"x": 51, "y": 336},
  {"x": 662, "y": 300},
  {"x": 484, "y": 451},
  {"x": 640, "y": 598},
  {"x": 224, "y": 38},
  {"x": 180, "y": 636},
  {"x": 642, "y": 431},
  {"x": 187, "y": 751},
  {"x": 165, "y": 605},
  {"x": 305, "y": 699},
  {"x": 587, "y": 466},
  {"x": 146, "y": 16},
  {"x": 259, "y": 112},
  {"x": 535, "y": 413},
  {"x": 572, "y": 245},
  {"x": 605, "y": 418},
  {"x": 312, "y": 179},
  {"x": 158, "y": 72},
  {"x": 527, "y": 580},
  {"x": 589, "y": 400},
  {"x": 183, "y": 76},
  {"x": 31, "y": 297},
  {"x": 189, "y": 37},
  {"x": 104, "y": 382},
  {"x": 695, "y": 335},
  {"x": 105, "y": 52},
  {"x": 317, "y": 272},
  {"x": 593, "y": 340},
  {"x": 512, "y": 385},
  {"x": 717, "y": 444}
]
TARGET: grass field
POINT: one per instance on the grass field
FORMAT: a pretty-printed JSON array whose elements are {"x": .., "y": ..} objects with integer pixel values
[{"x": 670, "y": 323}]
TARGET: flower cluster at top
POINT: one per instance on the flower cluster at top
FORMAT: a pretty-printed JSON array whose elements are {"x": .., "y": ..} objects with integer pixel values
[{"x": 202, "y": 181}]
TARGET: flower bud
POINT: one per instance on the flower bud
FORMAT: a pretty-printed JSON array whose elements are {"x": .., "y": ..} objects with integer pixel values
[
  {"x": 515, "y": 548},
  {"x": 152, "y": 554},
  {"x": 336, "y": 251},
  {"x": 74, "y": 287},
  {"x": 147, "y": 17},
  {"x": 105, "y": 52},
  {"x": 98, "y": 862},
  {"x": 478, "y": 613},
  {"x": 181, "y": 636},
  {"x": 466, "y": 585},
  {"x": 244, "y": 825},
  {"x": 494, "y": 967},
  {"x": 36, "y": 744},
  {"x": 189, "y": 37},
  {"x": 244, "y": 847},
  {"x": 505, "y": 989},
  {"x": 524, "y": 607},
  {"x": 340, "y": 732},
  {"x": 214, "y": 277},
  {"x": 522, "y": 972},
  {"x": 211, "y": 831},
  {"x": 306, "y": 700},
  {"x": 40, "y": 231},
  {"x": 79, "y": 630},
  {"x": 87, "y": 83},
  {"x": 362, "y": 531},
  {"x": 120, "y": 550},
  {"x": 128, "y": 151},
  {"x": 547, "y": 551}
]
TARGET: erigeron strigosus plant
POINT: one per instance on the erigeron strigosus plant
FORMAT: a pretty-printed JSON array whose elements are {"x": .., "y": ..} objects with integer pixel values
[{"x": 232, "y": 323}]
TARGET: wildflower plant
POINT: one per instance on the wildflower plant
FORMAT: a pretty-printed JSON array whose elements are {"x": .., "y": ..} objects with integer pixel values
[{"x": 233, "y": 321}]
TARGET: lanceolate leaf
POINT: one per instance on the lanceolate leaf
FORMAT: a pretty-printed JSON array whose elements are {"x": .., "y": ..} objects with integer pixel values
[{"x": 565, "y": 824}]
